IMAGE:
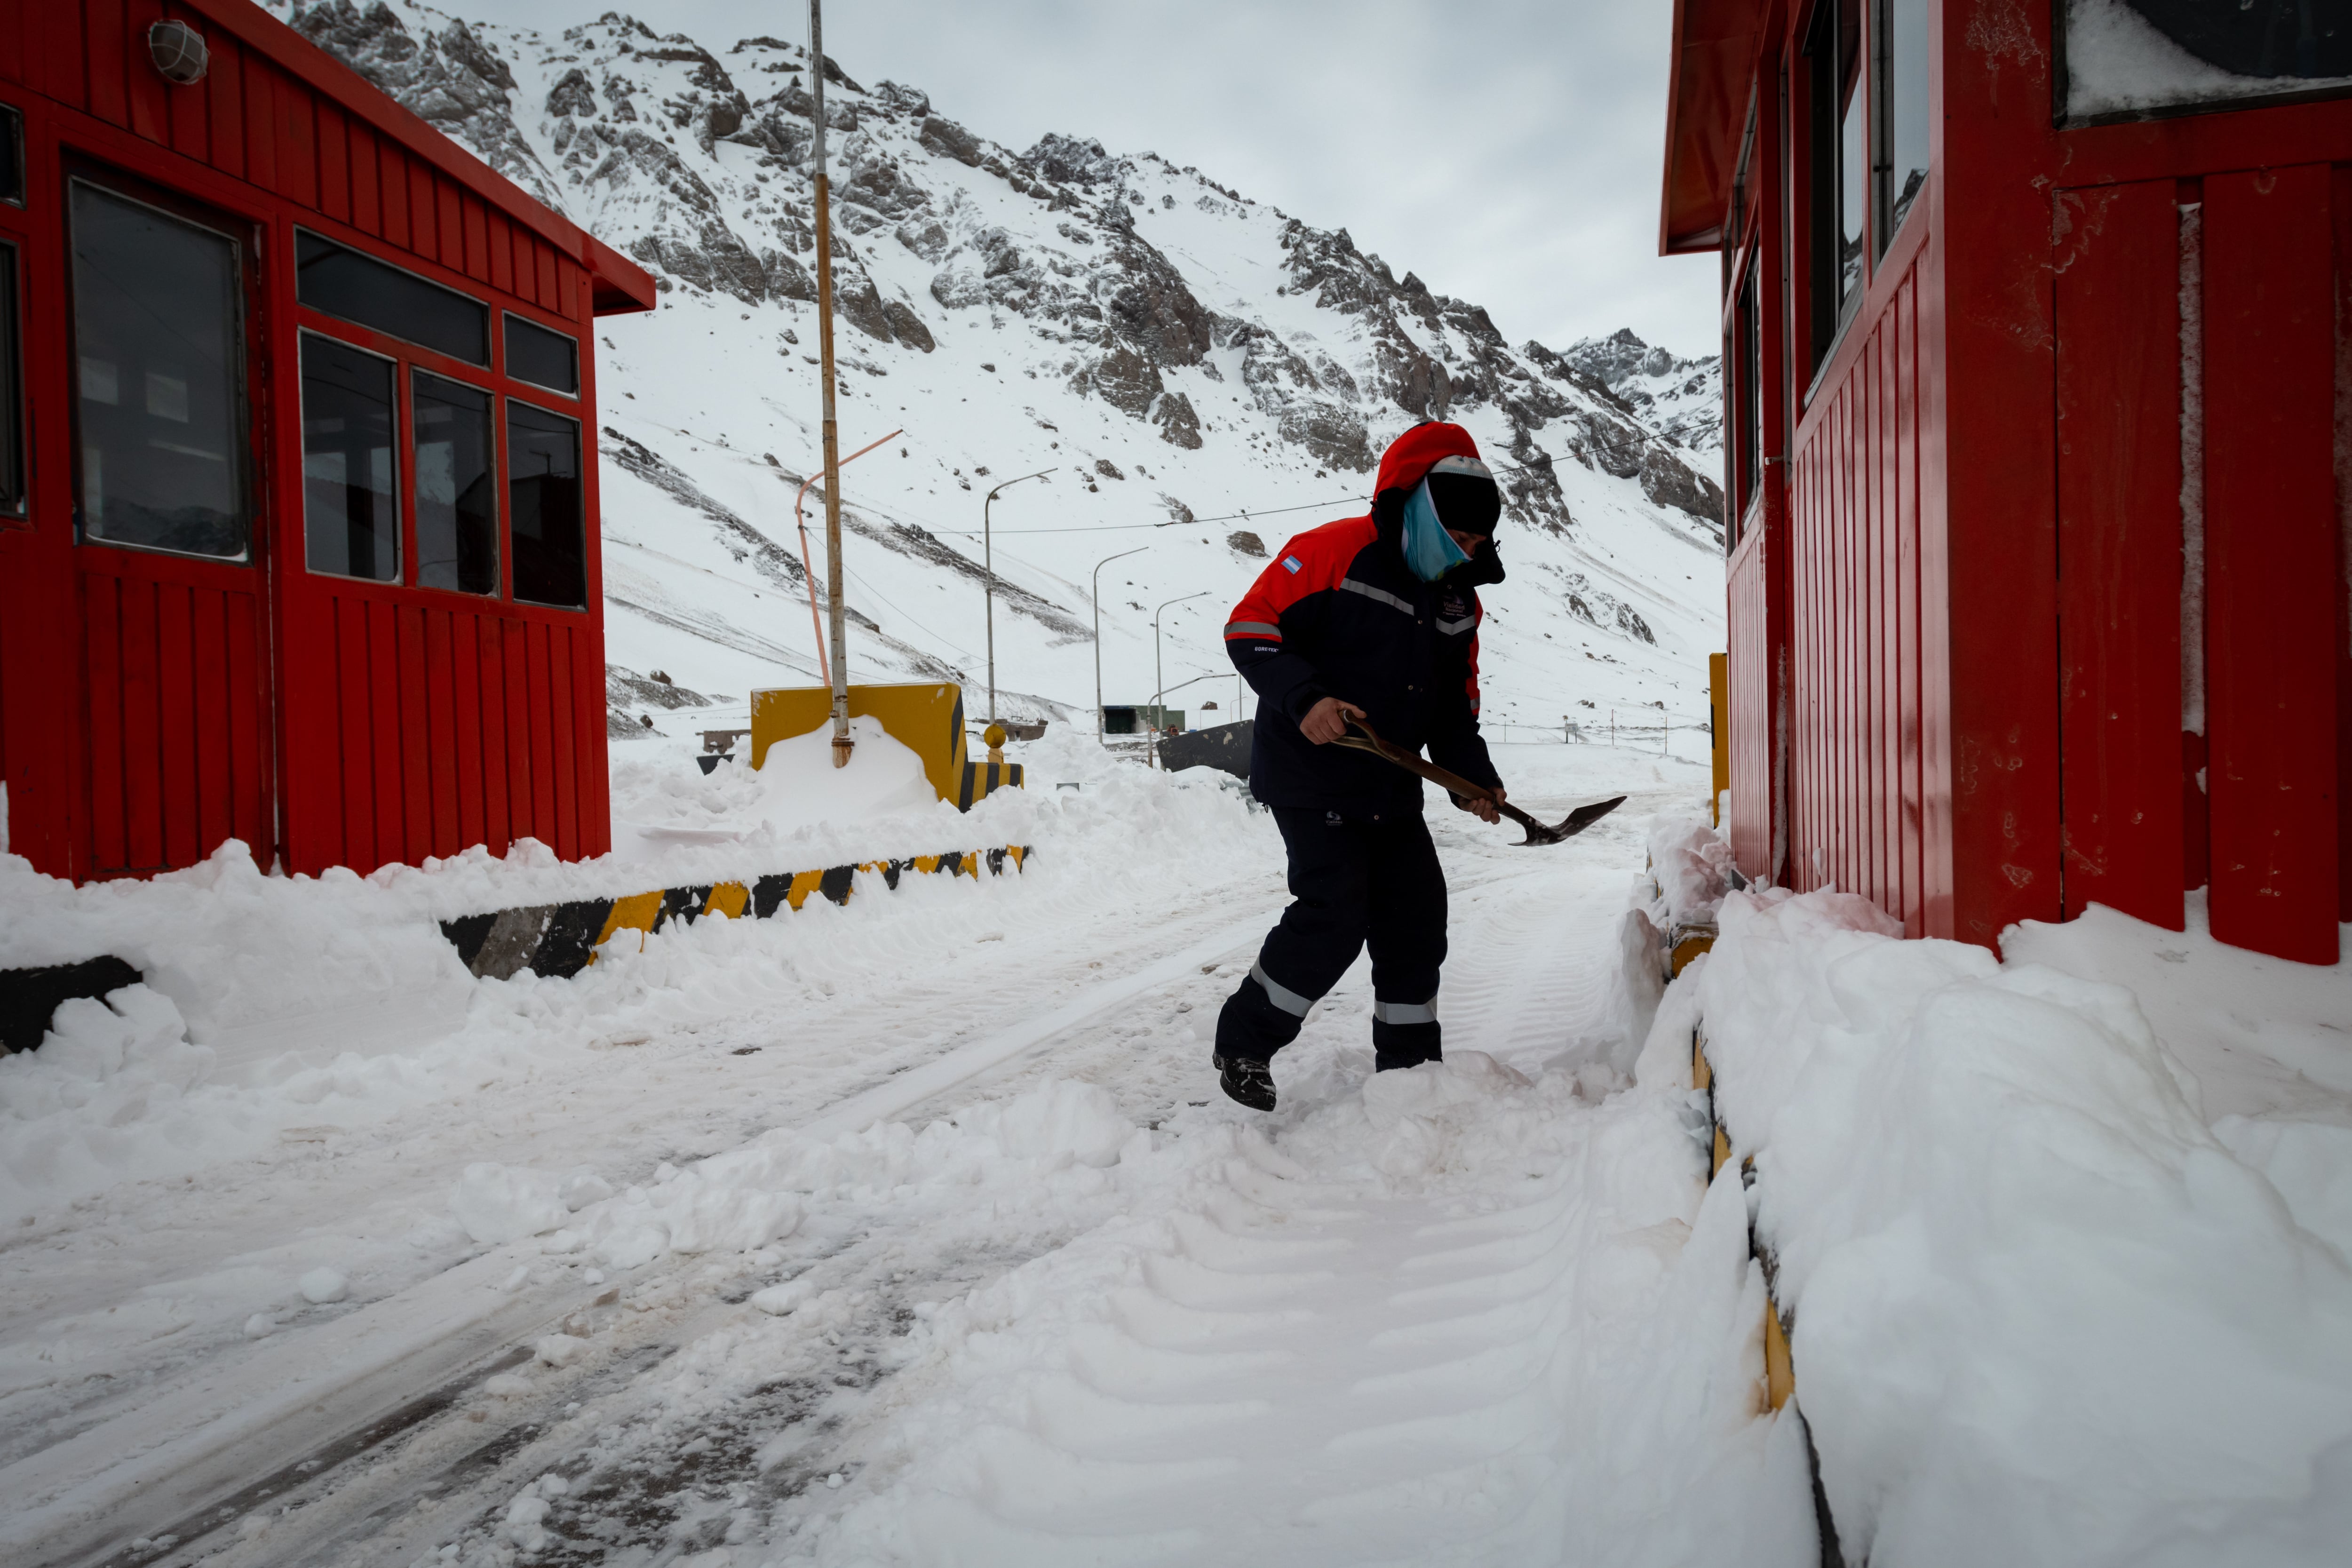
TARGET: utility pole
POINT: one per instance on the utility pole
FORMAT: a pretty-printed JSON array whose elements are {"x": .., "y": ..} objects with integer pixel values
[
  {"x": 842, "y": 744},
  {"x": 1097, "y": 603},
  {"x": 988, "y": 580},
  {"x": 1151, "y": 746}
]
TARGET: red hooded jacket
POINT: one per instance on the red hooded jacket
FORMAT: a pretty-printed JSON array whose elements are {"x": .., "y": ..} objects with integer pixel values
[{"x": 1339, "y": 613}]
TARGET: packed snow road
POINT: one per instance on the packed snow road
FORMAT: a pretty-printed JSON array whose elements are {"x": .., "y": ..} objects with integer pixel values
[{"x": 1064, "y": 1304}]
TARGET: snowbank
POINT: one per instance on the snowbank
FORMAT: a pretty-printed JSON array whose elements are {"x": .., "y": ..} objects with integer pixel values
[
  {"x": 1693, "y": 865},
  {"x": 274, "y": 1003},
  {"x": 796, "y": 790},
  {"x": 2042, "y": 1312}
]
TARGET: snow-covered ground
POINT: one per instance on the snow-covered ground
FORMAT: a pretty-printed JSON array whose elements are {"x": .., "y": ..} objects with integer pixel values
[
  {"x": 915, "y": 1230},
  {"x": 2062, "y": 1236},
  {"x": 1059, "y": 1289}
]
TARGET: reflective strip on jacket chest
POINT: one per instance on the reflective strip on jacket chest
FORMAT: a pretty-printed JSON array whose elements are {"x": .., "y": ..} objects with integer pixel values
[
  {"x": 1455, "y": 628},
  {"x": 1352, "y": 585}
]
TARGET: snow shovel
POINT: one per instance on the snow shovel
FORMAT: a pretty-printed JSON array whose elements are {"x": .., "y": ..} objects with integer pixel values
[{"x": 1582, "y": 818}]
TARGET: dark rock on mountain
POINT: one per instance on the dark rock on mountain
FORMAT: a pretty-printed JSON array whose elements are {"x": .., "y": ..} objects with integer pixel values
[
  {"x": 950, "y": 140},
  {"x": 1178, "y": 425}
]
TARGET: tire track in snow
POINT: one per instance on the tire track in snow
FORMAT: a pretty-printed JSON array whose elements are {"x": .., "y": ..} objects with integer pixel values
[{"x": 1318, "y": 1371}]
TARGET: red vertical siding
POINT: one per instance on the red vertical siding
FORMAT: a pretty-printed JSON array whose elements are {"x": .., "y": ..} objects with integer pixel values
[
  {"x": 2273, "y": 574},
  {"x": 1750, "y": 703},
  {"x": 2118, "y": 408},
  {"x": 1854, "y": 639}
]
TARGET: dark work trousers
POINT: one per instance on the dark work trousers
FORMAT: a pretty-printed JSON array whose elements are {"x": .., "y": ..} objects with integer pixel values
[{"x": 1354, "y": 879}]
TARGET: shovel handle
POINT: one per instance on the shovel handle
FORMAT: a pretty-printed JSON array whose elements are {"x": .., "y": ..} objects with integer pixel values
[{"x": 1441, "y": 777}]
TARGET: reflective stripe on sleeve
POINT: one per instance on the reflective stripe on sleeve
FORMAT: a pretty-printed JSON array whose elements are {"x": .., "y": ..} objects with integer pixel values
[
  {"x": 1404, "y": 1012},
  {"x": 1252, "y": 629},
  {"x": 1281, "y": 996}
]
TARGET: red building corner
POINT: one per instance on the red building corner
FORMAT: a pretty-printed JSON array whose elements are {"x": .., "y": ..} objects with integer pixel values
[
  {"x": 297, "y": 480},
  {"x": 2038, "y": 331}
]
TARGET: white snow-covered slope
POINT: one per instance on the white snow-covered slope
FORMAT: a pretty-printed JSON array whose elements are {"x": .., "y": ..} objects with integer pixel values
[{"x": 1176, "y": 354}]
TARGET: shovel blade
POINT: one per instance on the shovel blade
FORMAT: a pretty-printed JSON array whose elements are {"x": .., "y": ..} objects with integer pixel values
[{"x": 1577, "y": 821}]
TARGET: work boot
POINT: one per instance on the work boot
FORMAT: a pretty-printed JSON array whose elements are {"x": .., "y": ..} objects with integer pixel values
[{"x": 1245, "y": 1080}]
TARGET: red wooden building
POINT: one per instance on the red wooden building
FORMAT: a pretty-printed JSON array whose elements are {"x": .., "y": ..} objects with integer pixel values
[
  {"x": 298, "y": 486},
  {"x": 2035, "y": 321}
]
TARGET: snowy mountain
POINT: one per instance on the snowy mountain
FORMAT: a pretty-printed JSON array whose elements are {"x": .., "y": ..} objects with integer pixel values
[
  {"x": 1682, "y": 398},
  {"x": 1202, "y": 374}
]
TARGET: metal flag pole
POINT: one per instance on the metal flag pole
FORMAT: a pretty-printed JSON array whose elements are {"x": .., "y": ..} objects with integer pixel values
[
  {"x": 1097, "y": 603},
  {"x": 988, "y": 575},
  {"x": 842, "y": 744}
]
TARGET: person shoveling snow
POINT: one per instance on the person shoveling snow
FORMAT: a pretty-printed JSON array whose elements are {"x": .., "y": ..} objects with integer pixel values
[{"x": 1373, "y": 620}]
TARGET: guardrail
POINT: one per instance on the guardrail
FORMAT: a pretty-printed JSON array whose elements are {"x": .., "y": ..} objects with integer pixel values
[{"x": 557, "y": 941}]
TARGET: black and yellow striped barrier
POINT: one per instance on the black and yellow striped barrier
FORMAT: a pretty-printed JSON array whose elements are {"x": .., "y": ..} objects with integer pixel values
[
  {"x": 560, "y": 939},
  {"x": 1779, "y": 1367}
]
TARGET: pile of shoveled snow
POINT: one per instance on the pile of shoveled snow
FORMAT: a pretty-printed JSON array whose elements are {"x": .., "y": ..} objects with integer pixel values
[
  {"x": 2043, "y": 1311},
  {"x": 796, "y": 790},
  {"x": 272, "y": 1002}
]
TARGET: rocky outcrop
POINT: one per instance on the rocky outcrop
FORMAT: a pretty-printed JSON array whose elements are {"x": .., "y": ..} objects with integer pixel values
[
  {"x": 446, "y": 79},
  {"x": 1178, "y": 425}
]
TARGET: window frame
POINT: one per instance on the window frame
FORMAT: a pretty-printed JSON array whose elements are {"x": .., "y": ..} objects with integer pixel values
[
  {"x": 248, "y": 248},
  {"x": 1817, "y": 231},
  {"x": 1883, "y": 111},
  {"x": 492, "y": 380},
  {"x": 1747, "y": 376},
  {"x": 2061, "y": 93},
  {"x": 402, "y": 459}
]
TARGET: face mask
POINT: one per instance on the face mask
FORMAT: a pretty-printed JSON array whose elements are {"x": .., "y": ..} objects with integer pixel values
[{"x": 1428, "y": 550}]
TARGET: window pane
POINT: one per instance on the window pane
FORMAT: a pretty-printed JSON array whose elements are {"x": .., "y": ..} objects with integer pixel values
[
  {"x": 12, "y": 157},
  {"x": 1820, "y": 178},
  {"x": 1906, "y": 92},
  {"x": 1853, "y": 167},
  {"x": 348, "y": 510},
  {"x": 543, "y": 505},
  {"x": 2126, "y": 59},
  {"x": 342, "y": 282},
  {"x": 456, "y": 487},
  {"x": 160, "y": 416},
  {"x": 12, "y": 382},
  {"x": 540, "y": 357},
  {"x": 1750, "y": 349}
]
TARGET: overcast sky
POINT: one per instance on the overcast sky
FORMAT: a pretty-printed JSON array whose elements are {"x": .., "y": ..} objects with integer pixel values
[{"x": 1507, "y": 150}]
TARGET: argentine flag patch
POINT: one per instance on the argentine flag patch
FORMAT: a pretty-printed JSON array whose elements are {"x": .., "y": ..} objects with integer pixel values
[{"x": 1290, "y": 563}]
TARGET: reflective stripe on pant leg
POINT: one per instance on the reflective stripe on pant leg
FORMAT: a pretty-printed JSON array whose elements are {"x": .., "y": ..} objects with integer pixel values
[
  {"x": 1405, "y": 1012},
  {"x": 1281, "y": 996}
]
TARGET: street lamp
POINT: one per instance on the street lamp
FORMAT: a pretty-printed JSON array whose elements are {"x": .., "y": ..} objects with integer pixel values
[
  {"x": 988, "y": 571},
  {"x": 1151, "y": 746},
  {"x": 1097, "y": 602}
]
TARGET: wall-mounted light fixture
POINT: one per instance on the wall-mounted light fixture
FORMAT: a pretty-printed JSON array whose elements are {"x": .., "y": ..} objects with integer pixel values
[{"x": 179, "y": 52}]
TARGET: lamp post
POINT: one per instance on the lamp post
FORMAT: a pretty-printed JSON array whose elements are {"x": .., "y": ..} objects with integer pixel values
[
  {"x": 1151, "y": 746},
  {"x": 1097, "y": 603},
  {"x": 988, "y": 580}
]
